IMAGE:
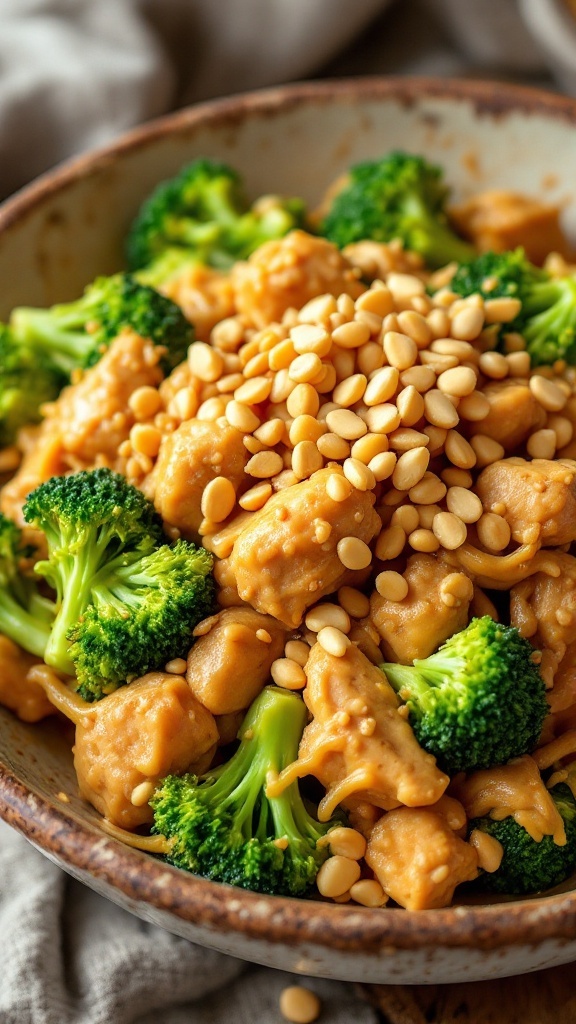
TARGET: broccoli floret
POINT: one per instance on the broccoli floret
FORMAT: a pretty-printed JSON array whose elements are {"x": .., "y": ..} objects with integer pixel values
[
  {"x": 400, "y": 196},
  {"x": 126, "y": 602},
  {"x": 27, "y": 380},
  {"x": 75, "y": 334},
  {"x": 478, "y": 701},
  {"x": 25, "y": 616},
  {"x": 223, "y": 826},
  {"x": 528, "y": 866},
  {"x": 547, "y": 318},
  {"x": 202, "y": 216}
]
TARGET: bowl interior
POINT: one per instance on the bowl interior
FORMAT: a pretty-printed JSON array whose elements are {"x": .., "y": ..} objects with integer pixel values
[{"x": 62, "y": 231}]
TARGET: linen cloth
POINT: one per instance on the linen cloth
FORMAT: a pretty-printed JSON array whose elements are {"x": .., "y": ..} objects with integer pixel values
[{"x": 73, "y": 74}]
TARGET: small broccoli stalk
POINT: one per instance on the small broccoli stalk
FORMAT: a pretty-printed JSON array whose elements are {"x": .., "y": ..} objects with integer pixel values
[
  {"x": 89, "y": 519},
  {"x": 547, "y": 318},
  {"x": 202, "y": 216},
  {"x": 25, "y": 616},
  {"x": 528, "y": 866},
  {"x": 223, "y": 825},
  {"x": 142, "y": 615},
  {"x": 27, "y": 380},
  {"x": 400, "y": 196},
  {"x": 74, "y": 335},
  {"x": 478, "y": 701}
]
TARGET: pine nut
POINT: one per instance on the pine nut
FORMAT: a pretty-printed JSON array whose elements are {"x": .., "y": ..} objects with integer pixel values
[
  {"x": 343, "y": 361},
  {"x": 218, "y": 499},
  {"x": 371, "y": 320},
  {"x": 354, "y": 553},
  {"x": 305, "y": 428},
  {"x": 299, "y": 1005},
  {"x": 288, "y": 674},
  {"x": 493, "y": 532},
  {"x": 346, "y": 424},
  {"x": 145, "y": 402},
  {"x": 463, "y": 350},
  {"x": 365, "y": 448},
  {"x": 333, "y": 641},
  {"x": 519, "y": 364},
  {"x": 280, "y": 357},
  {"x": 436, "y": 438},
  {"x": 400, "y": 350},
  {"x": 454, "y": 477},
  {"x": 428, "y": 490},
  {"x": 306, "y": 459},
  {"x": 354, "y": 602},
  {"x": 390, "y": 543},
  {"x": 316, "y": 309},
  {"x": 438, "y": 322},
  {"x": 338, "y": 487},
  {"x": 303, "y": 401},
  {"x": 404, "y": 287},
  {"x": 562, "y": 428},
  {"x": 494, "y": 365},
  {"x": 391, "y": 585},
  {"x": 459, "y": 381},
  {"x": 345, "y": 842},
  {"x": 486, "y": 450},
  {"x": 327, "y": 615},
  {"x": 176, "y": 667},
  {"x": 459, "y": 451},
  {"x": 253, "y": 391},
  {"x": 439, "y": 410},
  {"x": 420, "y": 377},
  {"x": 449, "y": 530},
  {"x": 336, "y": 876},
  {"x": 383, "y": 465},
  {"x": 359, "y": 475},
  {"x": 404, "y": 438},
  {"x": 376, "y": 300},
  {"x": 426, "y": 515},
  {"x": 424, "y": 540},
  {"x": 333, "y": 447},
  {"x": 146, "y": 439},
  {"x": 541, "y": 444},
  {"x": 141, "y": 793},
  {"x": 241, "y": 416},
  {"x": 467, "y": 323},
  {"x": 500, "y": 311},
  {"x": 547, "y": 393},
  {"x": 368, "y": 893},
  {"x": 211, "y": 410},
  {"x": 306, "y": 368},
  {"x": 415, "y": 326},
  {"x": 407, "y": 517},
  {"x": 369, "y": 358},
  {"x": 464, "y": 504},
  {"x": 410, "y": 468},
  {"x": 381, "y": 419},
  {"x": 350, "y": 391},
  {"x": 271, "y": 432},
  {"x": 351, "y": 335},
  {"x": 205, "y": 362},
  {"x": 410, "y": 405},
  {"x": 310, "y": 338},
  {"x": 474, "y": 407},
  {"x": 381, "y": 386},
  {"x": 298, "y": 651},
  {"x": 264, "y": 465},
  {"x": 282, "y": 386},
  {"x": 256, "y": 497}
]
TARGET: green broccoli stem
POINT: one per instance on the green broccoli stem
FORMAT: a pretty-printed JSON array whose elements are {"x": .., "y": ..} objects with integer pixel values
[
  {"x": 419, "y": 680},
  {"x": 435, "y": 241},
  {"x": 22, "y": 627},
  {"x": 59, "y": 332},
  {"x": 550, "y": 327}
]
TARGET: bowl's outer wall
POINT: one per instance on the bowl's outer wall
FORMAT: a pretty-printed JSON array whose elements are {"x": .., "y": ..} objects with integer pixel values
[{"x": 58, "y": 235}]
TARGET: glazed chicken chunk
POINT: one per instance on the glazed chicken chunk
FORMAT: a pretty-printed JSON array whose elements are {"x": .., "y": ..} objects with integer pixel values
[{"x": 537, "y": 499}]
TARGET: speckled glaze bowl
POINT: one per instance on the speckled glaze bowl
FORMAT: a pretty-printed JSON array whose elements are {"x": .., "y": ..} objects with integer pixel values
[{"x": 67, "y": 227}]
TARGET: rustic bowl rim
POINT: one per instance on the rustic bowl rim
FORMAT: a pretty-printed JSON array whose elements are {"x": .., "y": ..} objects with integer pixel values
[{"x": 142, "y": 878}]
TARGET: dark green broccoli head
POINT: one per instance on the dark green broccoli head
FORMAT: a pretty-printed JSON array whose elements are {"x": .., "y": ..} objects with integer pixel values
[
  {"x": 202, "y": 216},
  {"x": 400, "y": 196},
  {"x": 478, "y": 701},
  {"x": 142, "y": 614},
  {"x": 24, "y": 614},
  {"x": 528, "y": 866},
  {"x": 223, "y": 825},
  {"x": 27, "y": 380},
  {"x": 75, "y": 335},
  {"x": 547, "y": 318}
]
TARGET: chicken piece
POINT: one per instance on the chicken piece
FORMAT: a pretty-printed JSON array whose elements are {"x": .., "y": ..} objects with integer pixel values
[
  {"x": 514, "y": 413},
  {"x": 537, "y": 499},
  {"x": 22, "y": 696},
  {"x": 230, "y": 662},
  {"x": 359, "y": 745},
  {"x": 515, "y": 789},
  {"x": 435, "y": 607},
  {"x": 206, "y": 296},
  {"x": 140, "y": 733},
  {"x": 543, "y": 609},
  {"x": 288, "y": 273},
  {"x": 418, "y": 858},
  {"x": 280, "y": 564},
  {"x": 377, "y": 259},
  {"x": 562, "y": 695},
  {"x": 498, "y": 220},
  {"x": 87, "y": 424},
  {"x": 197, "y": 452}
]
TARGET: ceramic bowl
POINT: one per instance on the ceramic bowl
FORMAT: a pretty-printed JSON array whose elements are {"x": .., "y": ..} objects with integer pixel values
[{"x": 62, "y": 231}]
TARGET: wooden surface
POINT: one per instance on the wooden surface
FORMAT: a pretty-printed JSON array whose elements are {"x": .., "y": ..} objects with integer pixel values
[{"x": 547, "y": 997}]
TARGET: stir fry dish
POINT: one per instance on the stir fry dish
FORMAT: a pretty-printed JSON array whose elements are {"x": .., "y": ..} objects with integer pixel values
[{"x": 287, "y": 526}]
